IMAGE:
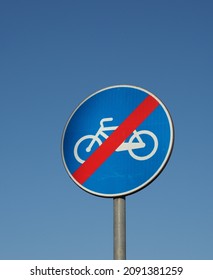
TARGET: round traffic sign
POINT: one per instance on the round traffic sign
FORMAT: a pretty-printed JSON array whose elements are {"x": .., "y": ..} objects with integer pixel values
[{"x": 117, "y": 141}]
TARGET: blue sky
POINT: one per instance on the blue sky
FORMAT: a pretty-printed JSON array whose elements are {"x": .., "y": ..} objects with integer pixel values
[{"x": 54, "y": 54}]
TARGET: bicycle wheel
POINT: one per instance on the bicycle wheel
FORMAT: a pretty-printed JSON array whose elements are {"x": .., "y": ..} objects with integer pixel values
[
  {"x": 150, "y": 146},
  {"x": 81, "y": 151}
]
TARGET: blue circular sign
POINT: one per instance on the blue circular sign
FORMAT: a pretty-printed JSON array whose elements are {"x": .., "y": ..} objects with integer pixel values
[{"x": 117, "y": 141}]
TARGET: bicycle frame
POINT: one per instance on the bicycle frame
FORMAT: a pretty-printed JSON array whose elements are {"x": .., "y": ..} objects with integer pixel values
[{"x": 123, "y": 147}]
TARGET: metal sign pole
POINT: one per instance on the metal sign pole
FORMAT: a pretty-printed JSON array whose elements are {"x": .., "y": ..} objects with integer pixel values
[{"x": 119, "y": 229}]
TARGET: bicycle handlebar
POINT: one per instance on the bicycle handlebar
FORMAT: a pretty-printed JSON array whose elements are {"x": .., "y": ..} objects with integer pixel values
[{"x": 105, "y": 120}]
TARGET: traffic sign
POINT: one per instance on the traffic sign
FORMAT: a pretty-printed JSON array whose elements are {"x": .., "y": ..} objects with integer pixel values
[{"x": 117, "y": 141}]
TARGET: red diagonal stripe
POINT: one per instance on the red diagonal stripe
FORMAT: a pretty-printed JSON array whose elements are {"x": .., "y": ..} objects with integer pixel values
[{"x": 115, "y": 139}]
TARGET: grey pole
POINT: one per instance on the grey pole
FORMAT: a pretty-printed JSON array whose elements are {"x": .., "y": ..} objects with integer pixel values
[{"x": 119, "y": 229}]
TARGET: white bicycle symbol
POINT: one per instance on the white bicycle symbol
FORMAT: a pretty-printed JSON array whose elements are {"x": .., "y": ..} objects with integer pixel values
[{"x": 129, "y": 146}]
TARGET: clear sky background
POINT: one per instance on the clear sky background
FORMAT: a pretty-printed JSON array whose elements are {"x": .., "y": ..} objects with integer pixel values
[{"x": 53, "y": 54}]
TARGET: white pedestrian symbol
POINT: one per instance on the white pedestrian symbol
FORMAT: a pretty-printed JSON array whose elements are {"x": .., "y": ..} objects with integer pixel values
[{"x": 135, "y": 142}]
